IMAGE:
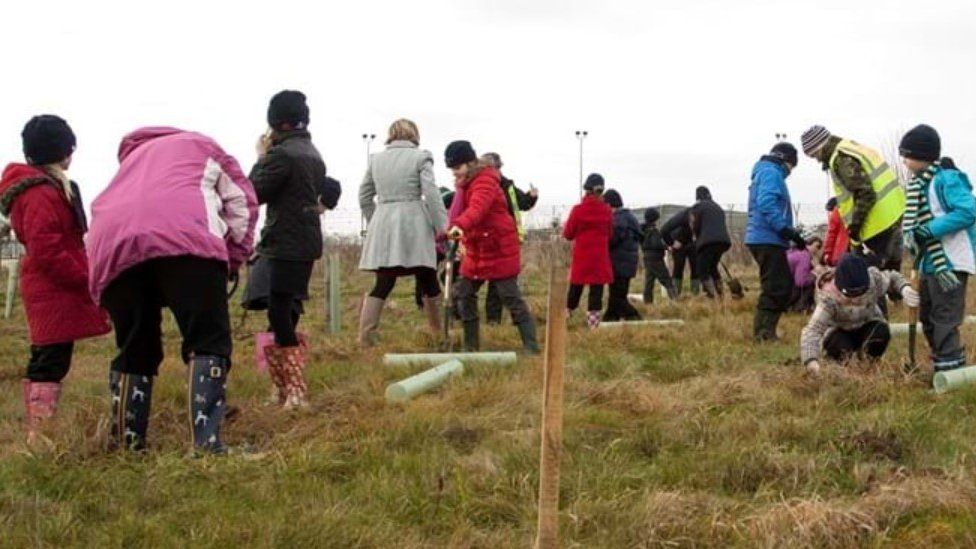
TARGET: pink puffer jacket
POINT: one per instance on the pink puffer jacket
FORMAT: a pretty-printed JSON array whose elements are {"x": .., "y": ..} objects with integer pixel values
[{"x": 176, "y": 193}]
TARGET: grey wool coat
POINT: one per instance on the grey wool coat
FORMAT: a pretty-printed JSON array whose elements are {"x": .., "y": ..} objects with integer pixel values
[{"x": 403, "y": 207}]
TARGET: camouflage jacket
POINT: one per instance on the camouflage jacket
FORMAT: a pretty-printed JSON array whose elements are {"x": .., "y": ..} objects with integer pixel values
[
  {"x": 852, "y": 177},
  {"x": 837, "y": 311}
]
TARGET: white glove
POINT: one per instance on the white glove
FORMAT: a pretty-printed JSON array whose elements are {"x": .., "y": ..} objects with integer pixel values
[
  {"x": 911, "y": 297},
  {"x": 813, "y": 367}
]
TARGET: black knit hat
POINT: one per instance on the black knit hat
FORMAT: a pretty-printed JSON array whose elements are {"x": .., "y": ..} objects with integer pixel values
[
  {"x": 651, "y": 215},
  {"x": 288, "y": 107},
  {"x": 594, "y": 181},
  {"x": 47, "y": 139},
  {"x": 613, "y": 199},
  {"x": 921, "y": 143},
  {"x": 459, "y": 152},
  {"x": 702, "y": 193},
  {"x": 851, "y": 276},
  {"x": 785, "y": 152},
  {"x": 831, "y": 204}
]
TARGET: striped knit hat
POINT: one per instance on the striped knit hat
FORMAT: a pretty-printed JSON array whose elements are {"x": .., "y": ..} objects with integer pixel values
[{"x": 814, "y": 139}]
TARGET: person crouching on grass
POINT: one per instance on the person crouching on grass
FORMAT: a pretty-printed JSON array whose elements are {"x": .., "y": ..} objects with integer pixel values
[
  {"x": 170, "y": 230},
  {"x": 490, "y": 243},
  {"x": 940, "y": 235},
  {"x": 847, "y": 321},
  {"x": 46, "y": 213}
]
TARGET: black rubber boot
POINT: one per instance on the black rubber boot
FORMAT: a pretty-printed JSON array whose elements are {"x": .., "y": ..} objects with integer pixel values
[
  {"x": 678, "y": 286},
  {"x": 695, "y": 286},
  {"x": 764, "y": 325},
  {"x": 131, "y": 403},
  {"x": 208, "y": 390},
  {"x": 530, "y": 344},
  {"x": 471, "y": 336}
]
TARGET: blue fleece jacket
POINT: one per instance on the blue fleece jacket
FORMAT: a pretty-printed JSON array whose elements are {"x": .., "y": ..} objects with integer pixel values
[{"x": 770, "y": 210}]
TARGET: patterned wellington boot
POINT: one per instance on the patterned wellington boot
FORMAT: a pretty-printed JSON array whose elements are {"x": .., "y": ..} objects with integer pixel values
[
  {"x": 276, "y": 371},
  {"x": 369, "y": 320},
  {"x": 131, "y": 402},
  {"x": 40, "y": 404},
  {"x": 293, "y": 366},
  {"x": 592, "y": 319},
  {"x": 208, "y": 393}
]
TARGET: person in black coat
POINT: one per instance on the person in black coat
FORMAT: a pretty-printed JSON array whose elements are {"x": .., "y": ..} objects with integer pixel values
[
  {"x": 676, "y": 233},
  {"x": 654, "y": 249},
  {"x": 712, "y": 240},
  {"x": 286, "y": 177},
  {"x": 624, "y": 256}
]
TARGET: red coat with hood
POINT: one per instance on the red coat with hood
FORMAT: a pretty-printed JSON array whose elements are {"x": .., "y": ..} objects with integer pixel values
[
  {"x": 837, "y": 242},
  {"x": 54, "y": 270},
  {"x": 590, "y": 226},
  {"x": 491, "y": 241}
]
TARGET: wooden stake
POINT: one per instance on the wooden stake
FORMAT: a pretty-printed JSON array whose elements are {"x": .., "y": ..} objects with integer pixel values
[{"x": 552, "y": 404}]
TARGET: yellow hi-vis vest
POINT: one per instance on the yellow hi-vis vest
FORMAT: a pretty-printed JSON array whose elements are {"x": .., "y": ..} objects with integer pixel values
[
  {"x": 889, "y": 206},
  {"x": 516, "y": 211}
]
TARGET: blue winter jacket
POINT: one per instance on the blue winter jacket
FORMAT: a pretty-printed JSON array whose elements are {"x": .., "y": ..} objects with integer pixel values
[
  {"x": 770, "y": 210},
  {"x": 954, "y": 207}
]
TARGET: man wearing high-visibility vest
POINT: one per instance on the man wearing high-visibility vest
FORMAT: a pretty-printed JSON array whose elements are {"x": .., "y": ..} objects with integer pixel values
[
  {"x": 518, "y": 201},
  {"x": 870, "y": 199}
]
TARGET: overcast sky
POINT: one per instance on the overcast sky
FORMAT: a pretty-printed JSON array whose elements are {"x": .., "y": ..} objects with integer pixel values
[{"x": 674, "y": 94}]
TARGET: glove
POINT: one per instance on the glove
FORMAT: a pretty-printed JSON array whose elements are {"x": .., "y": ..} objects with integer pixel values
[
  {"x": 813, "y": 367},
  {"x": 854, "y": 233},
  {"x": 790, "y": 233},
  {"x": 455, "y": 233},
  {"x": 911, "y": 297}
]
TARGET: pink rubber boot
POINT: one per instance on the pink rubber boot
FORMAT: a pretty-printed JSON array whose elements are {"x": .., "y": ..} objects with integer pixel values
[{"x": 40, "y": 404}]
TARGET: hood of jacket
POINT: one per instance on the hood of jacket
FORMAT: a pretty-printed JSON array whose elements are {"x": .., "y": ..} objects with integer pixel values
[{"x": 136, "y": 138}]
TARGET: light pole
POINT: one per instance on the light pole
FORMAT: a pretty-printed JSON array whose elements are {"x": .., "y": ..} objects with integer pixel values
[
  {"x": 580, "y": 136},
  {"x": 367, "y": 141}
]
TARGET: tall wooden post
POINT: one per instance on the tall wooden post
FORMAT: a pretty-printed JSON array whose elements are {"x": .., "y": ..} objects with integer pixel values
[{"x": 552, "y": 403}]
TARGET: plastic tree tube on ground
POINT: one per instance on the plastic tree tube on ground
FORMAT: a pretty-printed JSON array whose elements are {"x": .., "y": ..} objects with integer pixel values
[
  {"x": 406, "y": 389},
  {"x": 901, "y": 328},
  {"x": 653, "y": 322},
  {"x": 953, "y": 379},
  {"x": 432, "y": 359}
]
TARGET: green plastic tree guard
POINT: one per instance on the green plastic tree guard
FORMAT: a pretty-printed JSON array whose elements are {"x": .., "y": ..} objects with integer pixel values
[
  {"x": 335, "y": 293},
  {"x": 653, "y": 322},
  {"x": 406, "y": 389},
  {"x": 13, "y": 269},
  {"x": 433, "y": 359},
  {"x": 901, "y": 328},
  {"x": 953, "y": 379}
]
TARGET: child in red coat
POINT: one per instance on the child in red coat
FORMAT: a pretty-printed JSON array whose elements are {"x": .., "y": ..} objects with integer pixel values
[
  {"x": 491, "y": 245},
  {"x": 590, "y": 226},
  {"x": 46, "y": 213}
]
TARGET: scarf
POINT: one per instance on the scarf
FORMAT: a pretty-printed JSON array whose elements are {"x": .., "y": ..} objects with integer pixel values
[{"x": 918, "y": 212}]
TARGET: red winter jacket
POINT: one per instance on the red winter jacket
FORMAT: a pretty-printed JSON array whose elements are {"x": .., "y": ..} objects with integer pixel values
[
  {"x": 491, "y": 241},
  {"x": 54, "y": 271},
  {"x": 837, "y": 241},
  {"x": 590, "y": 226}
]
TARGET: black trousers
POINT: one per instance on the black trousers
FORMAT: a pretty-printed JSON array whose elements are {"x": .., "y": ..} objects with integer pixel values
[
  {"x": 775, "y": 278},
  {"x": 707, "y": 258},
  {"x": 870, "y": 340},
  {"x": 289, "y": 281},
  {"x": 594, "y": 300},
  {"x": 656, "y": 270},
  {"x": 685, "y": 254},
  {"x": 50, "y": 363},
  {"x": 194, "y": 289},
  {"x": 493, "y": 305},
  {"x": 618, "y": 307},
  {"x": 508, "y": 290},
  {"x": 941, "y": 313}
]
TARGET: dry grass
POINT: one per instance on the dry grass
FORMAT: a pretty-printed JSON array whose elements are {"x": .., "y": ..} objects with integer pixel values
[{"x": 675, "y": 437}]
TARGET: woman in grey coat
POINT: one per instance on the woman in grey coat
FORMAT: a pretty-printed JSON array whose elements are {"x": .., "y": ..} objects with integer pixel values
[{"x": 405, "y": 214}]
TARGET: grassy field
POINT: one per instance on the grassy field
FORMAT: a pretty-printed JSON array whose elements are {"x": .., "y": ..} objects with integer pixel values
[{"x": 674, "y": 437}]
